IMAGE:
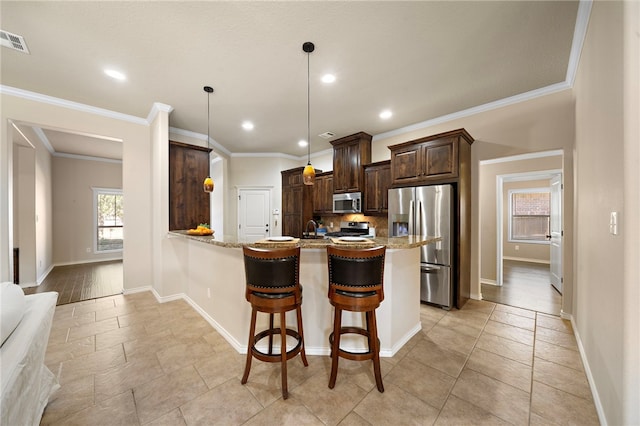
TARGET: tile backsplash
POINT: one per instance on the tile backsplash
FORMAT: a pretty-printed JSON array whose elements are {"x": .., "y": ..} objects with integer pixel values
[{"x": 378, "y": 222}]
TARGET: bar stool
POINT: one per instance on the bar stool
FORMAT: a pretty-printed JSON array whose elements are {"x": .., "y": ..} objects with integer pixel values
[
  {"x": 273, "y": 287},
  {"x": 356, "y": 284}
]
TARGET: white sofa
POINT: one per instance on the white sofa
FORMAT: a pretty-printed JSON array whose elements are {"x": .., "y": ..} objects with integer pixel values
[{"x": 25, "y": 323}]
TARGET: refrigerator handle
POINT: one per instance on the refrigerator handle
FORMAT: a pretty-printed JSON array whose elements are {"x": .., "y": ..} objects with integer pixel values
[
  {"x": 411, "y": 217},
  {"x": 419, "y": 218}
]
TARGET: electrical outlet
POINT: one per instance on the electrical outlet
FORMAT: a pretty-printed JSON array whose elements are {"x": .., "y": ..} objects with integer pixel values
[
  {"x": 209, "y": 293},
  {"x": 517, "y": 248},
  {"x": 88, "y": 249}
]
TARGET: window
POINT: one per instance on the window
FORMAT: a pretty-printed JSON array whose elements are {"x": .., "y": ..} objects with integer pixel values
[
  {"x": 529, "y": 215},
  {"x": 108, "y": 214}
]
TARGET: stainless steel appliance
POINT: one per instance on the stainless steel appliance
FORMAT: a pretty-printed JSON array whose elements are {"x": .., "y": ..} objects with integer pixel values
[
  {"x": 351, "y": 229},
  {"x": 426, "y": 211},
  {"x": 347, "y": 203}
]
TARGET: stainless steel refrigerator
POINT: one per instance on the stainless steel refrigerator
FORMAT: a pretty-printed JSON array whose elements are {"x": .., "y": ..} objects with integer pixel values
[{"x": 427, "y": 211}]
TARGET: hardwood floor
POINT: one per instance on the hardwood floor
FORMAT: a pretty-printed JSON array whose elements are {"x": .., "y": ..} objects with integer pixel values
[
  {"x": 525, "y": 285},
  {"x": 75, "y": 283}
]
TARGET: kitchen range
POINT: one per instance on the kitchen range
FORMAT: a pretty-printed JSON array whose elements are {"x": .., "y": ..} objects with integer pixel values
[{"x": 351, "y": 229}]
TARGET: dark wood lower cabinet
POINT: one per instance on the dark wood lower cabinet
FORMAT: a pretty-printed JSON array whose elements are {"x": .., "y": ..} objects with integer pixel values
[{"x": 189, "y": 205}]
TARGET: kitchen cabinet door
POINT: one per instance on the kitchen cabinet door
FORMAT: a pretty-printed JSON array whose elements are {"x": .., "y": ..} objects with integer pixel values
[
  {"x": 297, "y": 202},
  {"x": 349, "y": 154},
  {"x": 377, "y": 178},
  {"x": 323, "y": 194},
  {"x": 189, "y": 205}
]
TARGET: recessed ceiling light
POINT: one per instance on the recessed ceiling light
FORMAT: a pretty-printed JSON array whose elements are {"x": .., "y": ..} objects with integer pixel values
[
  {"x": 302, "y": 143},
  {"x": 115, "y": 74},
  {"x": 247, "y": 125},
  {"x": 386, "y": 114},
  {"x": 328, "y": 78}
]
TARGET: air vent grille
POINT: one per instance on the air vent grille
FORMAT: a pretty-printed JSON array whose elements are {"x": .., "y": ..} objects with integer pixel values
[
  {"x": 13, "y": 41},
  {"x": 327, "y": 135}
]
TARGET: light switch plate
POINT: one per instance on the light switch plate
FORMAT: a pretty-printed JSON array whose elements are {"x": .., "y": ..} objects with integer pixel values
[{"x": 613, "y": 223}]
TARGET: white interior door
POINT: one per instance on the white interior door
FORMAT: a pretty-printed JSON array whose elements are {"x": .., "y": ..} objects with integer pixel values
[
  {"x": 555, "y": 228},
  {"x": 253, "y": 214}
]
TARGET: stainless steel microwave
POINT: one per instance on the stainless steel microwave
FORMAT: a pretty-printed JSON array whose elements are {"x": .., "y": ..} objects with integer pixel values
[{"x": 347, "y": 203}]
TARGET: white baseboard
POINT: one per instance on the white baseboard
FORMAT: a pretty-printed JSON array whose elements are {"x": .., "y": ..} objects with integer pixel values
[
  {"x": 45, "y": 274},
  {"x": 526, "y": 259},
  {"x": 82, "y": 262},
  {"x": 587, "y": 369},
  {"x": 488, "y": 282}
]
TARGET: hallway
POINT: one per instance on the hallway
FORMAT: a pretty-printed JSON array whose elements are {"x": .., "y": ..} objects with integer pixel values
[
  {"x": 526, "y": 285},
  {"x": 75, "y": 283}
]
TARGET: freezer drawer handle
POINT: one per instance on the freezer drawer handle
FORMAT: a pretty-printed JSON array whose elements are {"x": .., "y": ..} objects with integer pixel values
[{"x": 428, "y": 269}]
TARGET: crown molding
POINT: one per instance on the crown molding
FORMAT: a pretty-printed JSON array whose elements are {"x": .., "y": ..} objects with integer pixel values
[
  {"x": 44, "y": 139},
  {"x": 579, "y": 34},
  {"x": 87, "y": 158},
  {"x": 50, "y": 100},
  {"x": 554, "y": 88},
  {"x": 157, "y": 108},
  {"x": 521, "y": 157},
  {"x": 200, "y": 136}
]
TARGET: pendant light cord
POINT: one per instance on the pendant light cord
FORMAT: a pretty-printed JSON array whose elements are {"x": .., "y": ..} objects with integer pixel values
[{"x": 308, "y": 114}]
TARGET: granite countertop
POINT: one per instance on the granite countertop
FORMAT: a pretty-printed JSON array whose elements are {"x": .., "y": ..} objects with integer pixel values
[{"x": 229, "y": 241}]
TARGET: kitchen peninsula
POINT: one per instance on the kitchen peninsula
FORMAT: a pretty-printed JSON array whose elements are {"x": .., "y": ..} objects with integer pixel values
[{"x": 213, "y": 282}]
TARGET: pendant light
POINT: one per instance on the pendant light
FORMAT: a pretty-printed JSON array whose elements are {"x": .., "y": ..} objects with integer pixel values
[
  {"x": 309, "y": 173},
  {"x": 208, "y": 182}
]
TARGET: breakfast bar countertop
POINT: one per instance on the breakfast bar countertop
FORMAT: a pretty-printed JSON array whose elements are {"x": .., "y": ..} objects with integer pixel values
[{"x": 229, "y": 241}]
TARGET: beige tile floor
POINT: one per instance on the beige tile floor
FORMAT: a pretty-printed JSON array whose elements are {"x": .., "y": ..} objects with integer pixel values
[{"x": 128, "y": 360}]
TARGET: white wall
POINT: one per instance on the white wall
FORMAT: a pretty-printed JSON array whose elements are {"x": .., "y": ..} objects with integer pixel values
[
  {"x": 73, "y": 223},
  {"x": 25, "y": 213},
  {"x": 65, "y": 116},
  {"x": 606, "y": 179}
]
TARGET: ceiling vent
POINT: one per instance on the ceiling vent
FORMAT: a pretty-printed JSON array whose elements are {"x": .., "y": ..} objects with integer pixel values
[
  {"x": 327, "y": 135},
  {"x": 13, "y": 41}
]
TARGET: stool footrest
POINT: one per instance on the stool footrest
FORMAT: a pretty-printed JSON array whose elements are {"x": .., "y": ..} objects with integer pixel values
[
  {"x": 276, "y": 357},
  {"x": 354, "y": 356}
]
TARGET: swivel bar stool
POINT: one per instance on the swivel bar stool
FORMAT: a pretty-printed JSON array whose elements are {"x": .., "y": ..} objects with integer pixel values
[
  {"x": 273, "y": 287},
  {"x": 356, "y": 284}
]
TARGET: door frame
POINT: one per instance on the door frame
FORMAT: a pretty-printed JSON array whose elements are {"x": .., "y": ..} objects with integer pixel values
[
  {"x": 515, "y": 177},
  {"x": 239, "y": 190}
]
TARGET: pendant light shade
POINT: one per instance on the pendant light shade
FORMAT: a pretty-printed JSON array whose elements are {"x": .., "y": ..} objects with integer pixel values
[
  {"x": 309, "y": 173},
  {"x": 208, "y": 182}
]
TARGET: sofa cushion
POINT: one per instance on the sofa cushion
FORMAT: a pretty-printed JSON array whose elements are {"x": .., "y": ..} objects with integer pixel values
[{"x": 12, "y": 306}]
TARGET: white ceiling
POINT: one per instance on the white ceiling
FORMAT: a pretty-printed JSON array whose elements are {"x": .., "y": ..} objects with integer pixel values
[{"x": 421, "y": 59}]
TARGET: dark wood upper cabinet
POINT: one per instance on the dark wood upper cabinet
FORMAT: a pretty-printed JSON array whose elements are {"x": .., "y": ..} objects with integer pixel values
[
  {"x": 189, "y": 205},
  {"x": 427, "y": 160},
  {"x": 377, "y": 181},
  {"x": 349, "y": 155},
  {"x": 297, "y": 202},
  {"x": 323, "y": 194},
  {"x": 437, "y": 159}
]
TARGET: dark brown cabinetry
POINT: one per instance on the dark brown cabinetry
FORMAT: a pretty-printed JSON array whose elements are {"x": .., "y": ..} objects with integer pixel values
[
  {"x": 323, "y": 194},
  {"x": 349, "y": 154},
  {"x": 377, "y": 181},
  {"x": 437, "y": 159},
  {"x": 297, "y": 202},
  {"x": 189, "y": 205},
  {"x": 425, "y": 160}
]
